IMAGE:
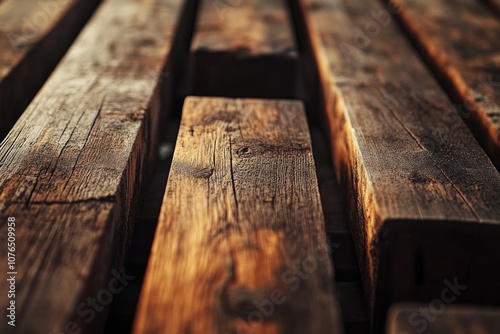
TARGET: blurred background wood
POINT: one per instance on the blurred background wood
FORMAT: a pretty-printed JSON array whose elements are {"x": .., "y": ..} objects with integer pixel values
[
  {"x": 34, "y": 35},
  {"x": 440, "y": 319},
  {"x": 459, "y": 40},
  {"x": 244, "y": 49}
]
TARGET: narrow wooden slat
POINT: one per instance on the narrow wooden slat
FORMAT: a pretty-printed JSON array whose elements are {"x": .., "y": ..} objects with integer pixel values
[
  {"x": 34, "y": 35},
  {"x": 71, "y": 168},
  {"x": 438, "y": 318},
  {"x": 423, "y": 197},
  {"x": 244, "y": 49},
  {"x": 240, "y": 246},
  {"x": 461, "y": 40}
]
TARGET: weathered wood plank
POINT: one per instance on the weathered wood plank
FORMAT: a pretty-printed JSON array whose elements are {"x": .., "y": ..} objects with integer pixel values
[
  {"x": 422, "y": 195},
  {"x": 240, "y": 246},
  {"x": 34, "y": 35},
  {"x": 244, "y": 49},
  {"x": 72, "y": 166},
  {"x": 439, "y": 319},
  {"x": 461, "y": 41}
]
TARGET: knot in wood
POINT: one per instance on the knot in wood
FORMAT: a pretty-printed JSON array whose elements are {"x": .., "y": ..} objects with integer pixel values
[{"x": 243, "y": 151}]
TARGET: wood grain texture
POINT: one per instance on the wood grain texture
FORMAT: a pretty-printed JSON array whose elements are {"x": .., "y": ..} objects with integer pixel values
[
  {"x": 461, "y": 41},
  {"x": 72, "y": 166},
  {"x": 423, "y": 197},
  {"x": 34, "y": 35},
  {"x": 240, "y": 246},
  {"x": 244, "y": 49},
  {"x": 433, "y": 319}
]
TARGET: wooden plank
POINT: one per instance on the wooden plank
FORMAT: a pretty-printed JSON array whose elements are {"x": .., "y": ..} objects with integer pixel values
[
  {"x": 72, "y": 166},
  {"x": 244, "y": 49},
  {"x": 422, "y": 196},
  {"x": 461, "y": 41},
  {"x": 440, "y": 319},
  {"x": 34, "y": 35},
  {"x": 240, "y": 244}
]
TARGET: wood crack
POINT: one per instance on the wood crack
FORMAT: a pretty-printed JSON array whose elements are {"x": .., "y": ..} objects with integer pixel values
[
  {"x": 27, "y": 202},
  {"x": 460, "y": 193},
  {"x": 103, "y": 199},
  {"x": 415, "y": 138},
  {"x": 232, "y": 177},
  {"x": 86, "y": 141}
]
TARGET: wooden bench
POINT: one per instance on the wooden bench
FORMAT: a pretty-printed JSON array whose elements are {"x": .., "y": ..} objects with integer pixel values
[{"x": 407, "y": 162}]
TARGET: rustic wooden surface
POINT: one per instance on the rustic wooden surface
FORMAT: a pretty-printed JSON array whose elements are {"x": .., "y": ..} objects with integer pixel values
[
  {"x": 420, "y": 318},
  {"x": 71, "y": 168},
  {"x": 241, "y": 225},
  {"x": 34, "y": 35},
  {"x": 423, "y": 196},
  {"x": 244, "y": 49},
  {"x": 461, "y": 39}
]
